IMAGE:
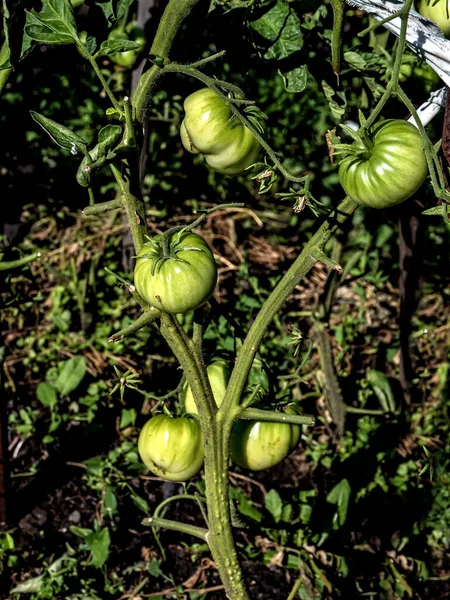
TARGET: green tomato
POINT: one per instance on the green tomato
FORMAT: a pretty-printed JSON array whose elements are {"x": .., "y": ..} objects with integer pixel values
[
  {"x": 171, "y": 447},
  {"x": 218, "y": 375},
  {"x": 419, "y": 74},
  {"x": 175, "y": 273},
  {"x": 127, "y": 58},
  {"x": 438, "y": 11},
  {"x": 229, "y": 148},
  {"x": 389, "y": 169},
  {"x": 258, "y": 445}
]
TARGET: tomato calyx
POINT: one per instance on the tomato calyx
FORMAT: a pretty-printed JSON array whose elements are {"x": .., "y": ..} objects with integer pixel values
[
  {"x": 361, "y": 147},
  {"x": 166, "y": 247}
]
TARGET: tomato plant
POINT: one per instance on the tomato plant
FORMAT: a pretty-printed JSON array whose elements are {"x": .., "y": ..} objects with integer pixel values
[
  {"x": 258, "y": 445},
  {"x": 172, "y": 447},
  {"x": 175, "y": 272},
  {"x": 387, "y": 168},
  {"x": 228, "y": 146},
  {"x": 218, "y": 375},
  {"x": 438, "y": 11}
]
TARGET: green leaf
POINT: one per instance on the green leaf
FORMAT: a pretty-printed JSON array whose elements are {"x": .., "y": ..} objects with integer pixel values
[
  {"x": 272, "y": 22},
  {"x": 109, "y": 47},
  {"x": 127, "y": 417},
  {"x": 245, "y": 506},
  {"x": 289, "y": 41},
  {"x": 337, "y": 110},
  {"x": 436, "y": 210},
  {"x": 60, "y": 134},
  {"x": 340, "y": 496},
  {"x": 110, "y": 501},
  {"x": 99, "y": 542},
  {"x": 46, "y": 393},
  {"x": 122, "y": 7},
  {"x": 71, "y": 375},
  {"x": 54, "y": 24},
  {"x": 382, "y": 389},
  {"x": 107, "y": 137},
  {"x": 141, "y": 503},
  {"x": 274, "y": 505},
  {"x": 295, "y": 80}
]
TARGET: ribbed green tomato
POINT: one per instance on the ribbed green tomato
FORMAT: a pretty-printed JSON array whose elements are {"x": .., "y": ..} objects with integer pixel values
[
  {"x": 218, "y": 375},
  {"x": 175, "y": 273},
  {"x": 438, "y": 11},
  {"x": 258, "y": 445},
  {"x": 229, "y": 148},
  {"x": 172, "y": 447},
  {"x": 388, "y": 172}
]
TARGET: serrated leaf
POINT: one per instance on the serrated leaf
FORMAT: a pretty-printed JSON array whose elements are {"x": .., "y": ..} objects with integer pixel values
[
  {"x": 54, "y": 24},
  {"x": 272, "y": 22},
  {"x": 99, "y": 542},
  {"x": 71, "y": 375},
  {"x": 46, "y": 394},
  {"x": 274, "y": 505},
  {"x": 289, "y": 41},
  {"x": 337, "y": 110},
  {"x": 295, "y": 81},
  {"x": 109, "y": 47},
  {"x": 122, "y": 7},
  {"x": 60, "y": 134},
  {"x": 340, "y": 496}
]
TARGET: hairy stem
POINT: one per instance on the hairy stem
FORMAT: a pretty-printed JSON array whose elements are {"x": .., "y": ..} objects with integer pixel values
[
  {"x": 277, "y": 298},
  {"x": 175, "y": 13}
]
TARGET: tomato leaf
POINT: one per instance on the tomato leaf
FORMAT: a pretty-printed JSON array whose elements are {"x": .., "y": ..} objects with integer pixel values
[
  {"x": 289, "y": 41},
  {"x": 54, "y": 24},
  {"x": 109, "y": 47},
  {"x": 60, "y": 134},
  {"x": 295, "y": 80}
]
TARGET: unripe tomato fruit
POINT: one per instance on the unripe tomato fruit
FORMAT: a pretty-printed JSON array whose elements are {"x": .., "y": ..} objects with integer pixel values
[
  {"x": 218, "y": 375},
  {"x": 126, "y": 59},
  {"x": 171, "y": 447},
  {"x": 229, "y": 148},
  {"x": 439, "y": 12},
  {"x": 389, "y": 170},
  {"x": 258, "y": 445},
  {"x": 175, "y": 273}
]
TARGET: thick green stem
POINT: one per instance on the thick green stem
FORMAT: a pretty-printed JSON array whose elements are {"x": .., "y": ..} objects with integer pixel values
[
  {"x": 277, "y": 298},
  {"x": 258, "y": 414},
  {"x": 216, "y": 433},
  {"x": 134, "y": 206},
  {"x": 102, "y": 207},
  {"x": 174, "y": 15},
  {"x": 198, "y": 532},
  {"x": 336, "y": 38},
  {"x": 397, "y": 64}
]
